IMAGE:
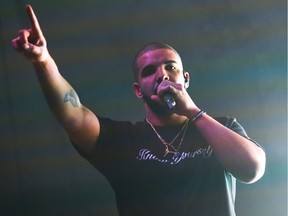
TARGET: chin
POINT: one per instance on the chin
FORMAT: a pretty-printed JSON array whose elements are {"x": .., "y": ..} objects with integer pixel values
[{"x": 158, "y": 109}]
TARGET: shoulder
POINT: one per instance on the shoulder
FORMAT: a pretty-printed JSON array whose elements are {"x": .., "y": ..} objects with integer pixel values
[
  {"x": 227, "y": 121},
  {"x": 232, "y": 123},
  {"x": 108, "y": 125},
  {"x": 107, "y": 122}
]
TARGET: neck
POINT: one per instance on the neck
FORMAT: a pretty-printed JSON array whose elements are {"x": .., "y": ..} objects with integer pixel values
[{"x": 169, "y": 119}]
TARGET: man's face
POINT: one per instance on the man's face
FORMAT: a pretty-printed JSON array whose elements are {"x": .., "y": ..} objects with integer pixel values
[{"x": 155, "y": 66}]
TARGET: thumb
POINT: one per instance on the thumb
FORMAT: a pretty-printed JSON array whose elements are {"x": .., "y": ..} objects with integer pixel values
[
  {"x": 32, "y": 52},
  {"x": 26, "y": 46},
  {"x": 31, "y": 49}
]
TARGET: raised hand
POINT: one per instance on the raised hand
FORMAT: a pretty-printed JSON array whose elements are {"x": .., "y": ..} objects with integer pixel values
[
  {"x": 31, "y": 42},
  {"x": 79, "y": 122}
]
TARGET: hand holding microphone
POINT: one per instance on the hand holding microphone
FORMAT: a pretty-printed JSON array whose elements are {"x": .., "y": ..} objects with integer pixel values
[
  {"x": 169, "y": 100},
  {"x": 168, "y": 97}
]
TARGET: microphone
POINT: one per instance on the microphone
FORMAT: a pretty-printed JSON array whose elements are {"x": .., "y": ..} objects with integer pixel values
[{"x": 169, "y": 100}]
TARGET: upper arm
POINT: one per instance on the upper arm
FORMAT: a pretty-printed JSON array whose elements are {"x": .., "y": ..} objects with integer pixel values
[{"x": 84, "y": 131}]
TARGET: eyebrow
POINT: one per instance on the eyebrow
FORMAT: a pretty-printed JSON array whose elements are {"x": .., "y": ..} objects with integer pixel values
[
  {"x": 169, "y": 61},
  {"x": 152, "y": 65}
]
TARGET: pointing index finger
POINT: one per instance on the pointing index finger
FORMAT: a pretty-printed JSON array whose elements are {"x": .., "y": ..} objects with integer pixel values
[{"x": 33, "y": 20}]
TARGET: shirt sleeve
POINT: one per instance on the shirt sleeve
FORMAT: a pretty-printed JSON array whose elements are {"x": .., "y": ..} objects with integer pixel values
[
  {"x": 234, "y": 125},
  {"x": 110, "y": 145}
]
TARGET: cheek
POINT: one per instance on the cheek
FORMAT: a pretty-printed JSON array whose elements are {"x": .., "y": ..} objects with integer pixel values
[
  {"x": 180, "y": 80},
  {"x": 147, "y": 87}
]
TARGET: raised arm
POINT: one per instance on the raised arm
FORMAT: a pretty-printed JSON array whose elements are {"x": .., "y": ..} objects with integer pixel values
[{"x": 80, "y": 123}]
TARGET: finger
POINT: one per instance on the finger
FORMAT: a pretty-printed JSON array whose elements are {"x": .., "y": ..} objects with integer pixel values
[
  {"x": 15, "y": 44},
  {"x": 164, "y": 86},
  {"x": 33, "y": 20},
  {"x": 23, "y": 36},
  {"x": 22, "y": 39},
  {"x": 156, "y": 98}
]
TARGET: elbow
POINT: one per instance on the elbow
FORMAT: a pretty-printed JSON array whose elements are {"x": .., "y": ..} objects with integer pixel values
[
  {"x": 255, "y": 171},
  {"x": 252, "y": 176}
]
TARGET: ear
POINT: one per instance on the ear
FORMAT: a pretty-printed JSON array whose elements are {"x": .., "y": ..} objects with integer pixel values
[
  {"x": 186, "y": 79},
  {"x": 137, "y": 90}
]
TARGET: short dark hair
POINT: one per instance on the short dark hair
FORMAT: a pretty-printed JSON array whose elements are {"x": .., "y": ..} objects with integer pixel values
[{"x": 147, "y": 48}]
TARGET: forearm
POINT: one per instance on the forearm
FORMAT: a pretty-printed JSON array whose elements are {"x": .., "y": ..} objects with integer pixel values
[
  {"x": 238, "y": 155},
  {"x": 61, "y": 98},
  {"x": 79, "y": 122}
]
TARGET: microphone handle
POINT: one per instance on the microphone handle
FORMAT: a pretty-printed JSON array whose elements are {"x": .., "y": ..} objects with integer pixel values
[{"x": 169, "y": 100}]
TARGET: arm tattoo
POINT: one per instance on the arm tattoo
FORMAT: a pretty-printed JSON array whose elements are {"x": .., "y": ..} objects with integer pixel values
[{"x": 72, "y": 97}]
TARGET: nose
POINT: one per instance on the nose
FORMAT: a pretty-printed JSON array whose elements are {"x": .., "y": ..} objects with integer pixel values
[
  {"x": 162, "y": 75},
  {"x": 165, "y": 77}
]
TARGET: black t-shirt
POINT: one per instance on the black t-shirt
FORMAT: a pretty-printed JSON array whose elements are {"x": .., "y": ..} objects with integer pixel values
[{"x": 190, "y": 182}]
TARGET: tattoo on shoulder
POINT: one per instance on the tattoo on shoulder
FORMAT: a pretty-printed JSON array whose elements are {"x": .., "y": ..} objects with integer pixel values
[{"x": 71, "y": 97}]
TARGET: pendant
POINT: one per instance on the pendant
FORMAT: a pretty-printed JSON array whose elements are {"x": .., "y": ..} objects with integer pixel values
[{"x": 167, "y": 151}]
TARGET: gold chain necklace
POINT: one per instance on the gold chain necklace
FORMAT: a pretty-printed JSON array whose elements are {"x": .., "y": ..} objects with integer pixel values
[{"x": 167, "y": 144}]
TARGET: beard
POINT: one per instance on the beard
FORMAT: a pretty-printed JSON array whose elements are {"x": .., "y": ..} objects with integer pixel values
[{"x": 159, "y": 109}]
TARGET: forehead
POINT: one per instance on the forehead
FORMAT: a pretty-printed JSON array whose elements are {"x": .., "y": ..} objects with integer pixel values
[{"x": 157, "y": 57}]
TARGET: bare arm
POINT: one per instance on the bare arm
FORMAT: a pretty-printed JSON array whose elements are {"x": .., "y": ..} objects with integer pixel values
[
  {"x": 80, "y": 123},
  {"x": 238, "y": 155}
]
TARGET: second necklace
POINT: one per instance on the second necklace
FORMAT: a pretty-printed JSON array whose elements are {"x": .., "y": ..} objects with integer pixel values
[{"x": 172, "y": 149}]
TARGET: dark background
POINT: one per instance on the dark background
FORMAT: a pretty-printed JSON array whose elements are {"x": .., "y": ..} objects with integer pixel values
[{"x": 234, "y": 50}]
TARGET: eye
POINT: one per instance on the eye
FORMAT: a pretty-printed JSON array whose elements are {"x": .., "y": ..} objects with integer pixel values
[
  {"x": 147, "y": 71},
  {"x": 171, "y": 67}
]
